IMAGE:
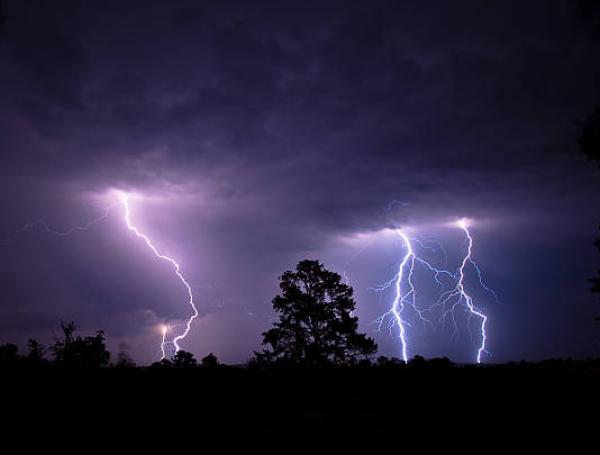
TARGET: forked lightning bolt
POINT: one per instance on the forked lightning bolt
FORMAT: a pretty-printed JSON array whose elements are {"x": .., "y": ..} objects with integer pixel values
[
  {"x": 459, "y": 296},
  {"x": 451, "y": 298},
  {"x": 400, "y": 299},
  {"x": 124, "y": 201},
  {"x": 405, "y": 292},
  {"x": 176, "y": 269}
]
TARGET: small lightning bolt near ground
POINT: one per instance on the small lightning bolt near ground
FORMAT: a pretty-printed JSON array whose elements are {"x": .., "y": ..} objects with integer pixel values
[
  {"x": 176, "y": 268},
  {"x": 163, "y": 342}
]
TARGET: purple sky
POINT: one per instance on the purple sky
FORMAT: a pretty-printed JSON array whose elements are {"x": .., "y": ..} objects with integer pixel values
[{"x": 261, "y": 133}]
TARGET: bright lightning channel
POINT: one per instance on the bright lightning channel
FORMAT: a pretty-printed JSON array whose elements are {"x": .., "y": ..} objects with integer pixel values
[
  {"x": 463, "y": 224},
  {"x": 177, "y": 270},
  {"x": 449, "y": 300},
  {"x": 163, "y": 341},
  {"x": 405, "y": 295},
  {"x": 124, "y": 201},
  {"x": 458, "y": 295}
]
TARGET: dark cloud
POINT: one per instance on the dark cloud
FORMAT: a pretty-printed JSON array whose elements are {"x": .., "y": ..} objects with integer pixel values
[{"x": 271, "y": 130}]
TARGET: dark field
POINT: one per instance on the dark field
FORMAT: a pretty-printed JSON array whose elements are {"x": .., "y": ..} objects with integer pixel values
[{"x": 535, "y": 400}]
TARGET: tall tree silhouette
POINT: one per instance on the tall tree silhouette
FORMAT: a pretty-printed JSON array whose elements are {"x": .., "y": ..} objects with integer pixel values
[
  {"x": 589, "y": 145},
  {"x": 315, "y": 325}
]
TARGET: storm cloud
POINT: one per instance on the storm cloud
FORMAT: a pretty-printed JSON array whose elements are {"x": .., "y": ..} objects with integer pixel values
[{"x": 261, "y": 133}]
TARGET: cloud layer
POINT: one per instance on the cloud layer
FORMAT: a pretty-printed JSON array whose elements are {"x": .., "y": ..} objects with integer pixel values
[{"x": 262, "y": 133}]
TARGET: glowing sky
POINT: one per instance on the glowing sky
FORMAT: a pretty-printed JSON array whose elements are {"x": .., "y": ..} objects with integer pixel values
[{"x": 257, "y": 134}]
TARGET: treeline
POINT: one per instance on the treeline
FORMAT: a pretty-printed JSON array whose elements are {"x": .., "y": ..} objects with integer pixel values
[
  {"x": 316, "y": 328},
  {"x": 76, "y": 352}
]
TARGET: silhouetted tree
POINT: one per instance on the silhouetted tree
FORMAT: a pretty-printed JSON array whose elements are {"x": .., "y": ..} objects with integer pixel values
[
  {"x": 162, "y": 364},
  {"x": 383, "y": 361},
  {"x": 589, "y": 140},
  {"x": 36, "y": 350},
  {"x": 589, "y": 145},
  {"x": 123, "y": 358},
  {"x": 184, "y": 359},
  {"x": 588, "y": 11},
  {"x": 75, "y": 351},
  {"x": 417, "y": 361},
  {"x": 210, "y": 361},
  {"x": 315, "y": 325},
  {"x": 9, "y": 354},
  {"x": 36, "y": 353}
]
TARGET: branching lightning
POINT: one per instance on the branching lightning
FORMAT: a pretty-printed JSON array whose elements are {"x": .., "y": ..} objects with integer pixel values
[
  {"x": 85, "y": 227},
  {"x": 400, "y": 299},
  {"x": 124, "y": 201},
  {"x": 458, "y": 295},
  {"x": 405, "y": 291},
  {"x": 176, "y": 269},
  {"x": 452, "y": 287}
]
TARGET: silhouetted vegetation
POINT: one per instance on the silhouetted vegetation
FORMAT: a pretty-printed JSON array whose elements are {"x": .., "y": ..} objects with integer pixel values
[
  {"x": 315, "y": 324},
  {"x": 589, "y": 145},
  {"x": 210, "y": 361},
  {"x": 82, "y": 352},
  {"x": 319, "y": 376}
]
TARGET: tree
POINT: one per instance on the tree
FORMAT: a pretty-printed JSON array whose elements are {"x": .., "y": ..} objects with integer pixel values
[
  {"x": 124, "y": 360},
  {"x": 589, "y": 145},
  {"x": 210, "y": 361},
  {"x": 315, "y": 325},
  {"x": 162, "y": 364},
  {"x": 589, "y": 140},
  {"x": 9, "y": 354},
  {"x": 184, "y": 359},
  {"x": 75, "y": 351},
  {"x": 36, "y": 353}
]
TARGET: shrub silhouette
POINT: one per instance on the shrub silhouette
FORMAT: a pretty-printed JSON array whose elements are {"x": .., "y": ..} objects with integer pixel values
[
  {"x": 81, "y": 352},
  {"x": 36, "y": 353},
  {"x": 210, "y": 361},
  {"x": 184, "y": 359}
]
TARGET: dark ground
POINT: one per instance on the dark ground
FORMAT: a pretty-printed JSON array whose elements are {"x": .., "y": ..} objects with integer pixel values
[{"x": 543, "y": 402}]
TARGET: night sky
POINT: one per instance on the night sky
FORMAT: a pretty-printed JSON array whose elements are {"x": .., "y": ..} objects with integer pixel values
[{"x": 256, "y": 134}]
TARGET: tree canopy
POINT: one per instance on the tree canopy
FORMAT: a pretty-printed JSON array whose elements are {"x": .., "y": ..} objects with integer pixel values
[
  {"x": 589, "y": 145},
  {"x": 75, "y": 351},
  {"x": 589, "y": 140},
  {"x": 316, "y": 325}
]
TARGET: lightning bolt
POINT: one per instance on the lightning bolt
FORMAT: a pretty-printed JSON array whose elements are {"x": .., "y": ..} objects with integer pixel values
[
  {"x": 406, "y": 295},
  {"x": 176, "y": 268},
  {"x": 400, "y": 299},
  {"x": 403, "y": 295},
  {"x": 85, "y": 227},
  {"x": 453, "y": 294},
  {"x": 163, "y": 341},
  {"x": 461, "y": 295},
  {"x": 124, "y": 201}
]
